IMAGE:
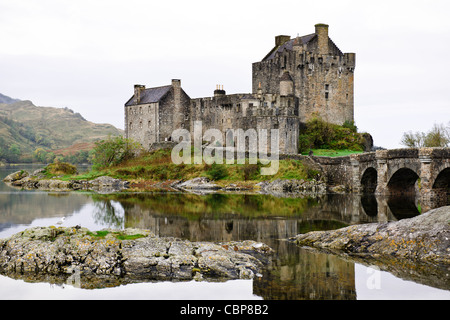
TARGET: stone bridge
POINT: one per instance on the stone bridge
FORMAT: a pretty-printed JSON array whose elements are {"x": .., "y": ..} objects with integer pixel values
[{"x": 424, "y": 172}]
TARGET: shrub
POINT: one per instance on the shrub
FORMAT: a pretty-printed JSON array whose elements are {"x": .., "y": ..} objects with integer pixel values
[
  {"x": 113, "y": 151},
  {"x": 60, "y": 168},
  {"x": 249, "y": 171},
  {"x": 318, "y": 134},
  {"x": 217, "y": 171}
]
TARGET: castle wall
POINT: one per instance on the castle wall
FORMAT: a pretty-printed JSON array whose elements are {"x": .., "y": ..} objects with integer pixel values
[
  {"x": 142, "y": 123},
  {"x": 244, "y": 111}
]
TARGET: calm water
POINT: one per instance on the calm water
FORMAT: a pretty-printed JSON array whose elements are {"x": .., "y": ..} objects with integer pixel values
[{"x": 295, "y": 273}]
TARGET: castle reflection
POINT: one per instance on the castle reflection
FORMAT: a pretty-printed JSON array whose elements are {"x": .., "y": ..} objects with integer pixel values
[{"x": 294, "y": 273}]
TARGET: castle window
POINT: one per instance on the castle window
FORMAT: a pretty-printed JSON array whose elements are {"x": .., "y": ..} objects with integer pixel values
[
  {"x": 326, "y": 95},
  {"x": 131, "y": 125},
  {"x": 140, "y": 125},
  {"x": 327, "y": 87},
  {"x": 149, "y": 124}
]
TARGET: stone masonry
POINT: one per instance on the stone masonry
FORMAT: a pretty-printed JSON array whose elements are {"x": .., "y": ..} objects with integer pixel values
[{"x": 298, "y": 79}]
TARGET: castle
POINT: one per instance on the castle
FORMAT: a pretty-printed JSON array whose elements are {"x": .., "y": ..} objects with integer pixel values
[{"x": 299, "y": 78}]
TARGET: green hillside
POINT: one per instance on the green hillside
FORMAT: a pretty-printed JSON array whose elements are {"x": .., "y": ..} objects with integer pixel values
[{"x": 25, "y": 127}]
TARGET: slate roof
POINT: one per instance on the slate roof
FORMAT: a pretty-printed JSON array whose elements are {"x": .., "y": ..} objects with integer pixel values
[
  {"x": 288, "y": 45},
  {"x": 150, "y": 95}
]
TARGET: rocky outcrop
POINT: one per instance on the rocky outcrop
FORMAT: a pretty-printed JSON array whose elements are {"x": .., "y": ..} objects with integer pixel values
[
  {"x": 415, "y": 249},
  {"x": 134, "y": 254},
  {"x": 425, "y": 238},
  {"x": 37, "y": 180},
  {"x": 200, "y": 183},
  {"x": 293, "y": 185},
  {"x": 15, "y": 176}
]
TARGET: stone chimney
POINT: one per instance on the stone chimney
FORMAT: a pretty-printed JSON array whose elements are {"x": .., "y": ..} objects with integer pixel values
[
  {"x": 138, "y": 88},
  {"x": 280, "y": 40},
  {"x": 322, "y": 36},
  {"x": 178, "y": 112},
  {"x": 176, "y": 85},
  {"x": 219, "y": 91}
]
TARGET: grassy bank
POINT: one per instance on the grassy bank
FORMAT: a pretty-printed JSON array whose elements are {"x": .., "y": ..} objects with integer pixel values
[{"x": 158, "y": 166}]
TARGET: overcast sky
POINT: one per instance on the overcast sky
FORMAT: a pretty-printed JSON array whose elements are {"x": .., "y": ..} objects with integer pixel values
[{"x": 87, "y": 54}]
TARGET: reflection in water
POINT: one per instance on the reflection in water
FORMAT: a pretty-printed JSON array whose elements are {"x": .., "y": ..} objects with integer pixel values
[{"x": 294, "y": 273}]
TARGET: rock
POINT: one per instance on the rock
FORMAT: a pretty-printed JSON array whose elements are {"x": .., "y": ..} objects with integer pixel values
[
  {"x": 293, "y": 185},
  {"x": 105, "y": 181},
  {"x": 201, "y": 183},
  {"x": 54, "y": 184},
  {"x": 15, "y": 176},
  {"x": 338, "y": 189},
  {"x": 133, "y": 254},
  {"x": 425, "y": 238}
]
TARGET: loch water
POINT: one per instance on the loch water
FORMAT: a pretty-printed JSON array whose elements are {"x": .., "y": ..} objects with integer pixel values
[{"x": 294, "y": 273}]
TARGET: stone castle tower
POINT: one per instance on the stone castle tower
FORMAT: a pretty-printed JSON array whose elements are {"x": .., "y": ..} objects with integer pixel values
[
  {"x": 298, "y": 78},
  {"x": 320, "y": 75}
]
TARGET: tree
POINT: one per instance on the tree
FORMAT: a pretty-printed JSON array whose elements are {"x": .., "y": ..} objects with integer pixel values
[
  {"x": 113, "y": 151},
  {"x": 438, "y": 136},
  {"x": 413, "y": 139},
  {"x": 13, "y": 153}
]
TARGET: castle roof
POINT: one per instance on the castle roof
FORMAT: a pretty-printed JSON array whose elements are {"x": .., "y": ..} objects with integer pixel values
[
  {"x": 150, "y": 95},
  {"x": 289, "y": 45}
]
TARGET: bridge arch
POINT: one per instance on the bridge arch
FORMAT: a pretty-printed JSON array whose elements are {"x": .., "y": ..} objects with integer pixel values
[
  {"x": 369, "y": 180},
  {"x": 442, "y": 182},
  {"x": 403, "y": 181}
]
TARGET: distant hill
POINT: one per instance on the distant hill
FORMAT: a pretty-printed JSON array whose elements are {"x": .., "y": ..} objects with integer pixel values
[
  {"x": 6, "y": 99},
  {"x": 25, "y": 127}
]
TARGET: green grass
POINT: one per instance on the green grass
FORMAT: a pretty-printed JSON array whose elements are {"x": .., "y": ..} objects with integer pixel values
[
  {"x": 332, "y": 153},
  {"x": 118, "y": 235}
]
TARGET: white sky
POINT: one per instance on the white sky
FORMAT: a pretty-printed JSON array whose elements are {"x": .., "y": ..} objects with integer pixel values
[{"x": 88, "y": 54}]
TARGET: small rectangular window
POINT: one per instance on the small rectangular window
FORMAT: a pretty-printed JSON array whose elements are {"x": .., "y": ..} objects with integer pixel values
[
  {"x": 327, "y": 87},
  {"x": 326, "y": 95}
]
